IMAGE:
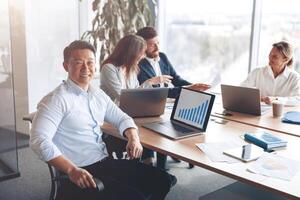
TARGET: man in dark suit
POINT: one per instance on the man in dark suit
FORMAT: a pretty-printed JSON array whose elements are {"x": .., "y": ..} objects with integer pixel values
[{"x": 156, "y": 64}]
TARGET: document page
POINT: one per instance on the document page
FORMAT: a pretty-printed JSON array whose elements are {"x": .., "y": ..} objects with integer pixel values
[
  {"x": 275, "y": 166},
  {"x": 214, "y": 151}
]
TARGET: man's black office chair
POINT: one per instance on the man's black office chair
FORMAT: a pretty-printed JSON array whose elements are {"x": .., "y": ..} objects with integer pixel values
[{"x": 59, "y": 179}]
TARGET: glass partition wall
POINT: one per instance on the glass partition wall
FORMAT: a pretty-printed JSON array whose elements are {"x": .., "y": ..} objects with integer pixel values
[{"x": 8, "y": 144}]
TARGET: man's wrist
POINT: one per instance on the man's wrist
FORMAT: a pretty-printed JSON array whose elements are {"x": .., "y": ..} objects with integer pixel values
[
  {"x": 131, "y": 134},
  {"x": 71, "y": 169}
]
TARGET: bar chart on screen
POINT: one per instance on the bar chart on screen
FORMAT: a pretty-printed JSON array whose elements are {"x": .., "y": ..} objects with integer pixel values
[
  {"x": 195, "y": 114},
  {"x": 192, "y": 108}
]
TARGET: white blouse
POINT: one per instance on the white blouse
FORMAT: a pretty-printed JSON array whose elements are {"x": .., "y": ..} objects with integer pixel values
[{"x": 286, "y": 86}]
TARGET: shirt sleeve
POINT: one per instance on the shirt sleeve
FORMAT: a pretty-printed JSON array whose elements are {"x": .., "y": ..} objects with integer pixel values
[
  {"x": 294, "y": 97},
  {"x": 45, "y": 124},
  {"x": 110, "y": 82},
  {"x": 177, "y": 80},
  {"x": 146, "y": 84},
  {"x": 250, "y": 81}
]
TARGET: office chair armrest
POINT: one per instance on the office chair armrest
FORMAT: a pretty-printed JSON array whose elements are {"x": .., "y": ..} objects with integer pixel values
[
  {"x": 99, "y": 183},
  {"x": 29, "y": 117}
]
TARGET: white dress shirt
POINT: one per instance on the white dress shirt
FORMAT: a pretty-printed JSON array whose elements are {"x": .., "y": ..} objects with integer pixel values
[
  {"x": 68, "y": 123},
  {"x": 155, "y": 64},
  {"x": 286, "y": 86}
]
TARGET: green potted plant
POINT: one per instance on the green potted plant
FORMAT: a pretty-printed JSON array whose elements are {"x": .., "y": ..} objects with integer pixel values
[{"x": 115, "y": 19}]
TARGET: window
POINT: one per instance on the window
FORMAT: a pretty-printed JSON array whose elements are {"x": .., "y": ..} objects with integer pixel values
[
  {"x": 50, "y": 26},
  {"x": 280, "y": 21},
  {"x": 208, "y": 38}
]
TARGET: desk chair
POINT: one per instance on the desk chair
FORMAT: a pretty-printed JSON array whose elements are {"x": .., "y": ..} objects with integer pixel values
[
  {"x": 115, "y": 146},
  {"x": 58, "y": 178}
]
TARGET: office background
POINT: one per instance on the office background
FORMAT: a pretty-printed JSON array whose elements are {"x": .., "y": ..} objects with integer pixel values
[{"x": 215, "y": 39}]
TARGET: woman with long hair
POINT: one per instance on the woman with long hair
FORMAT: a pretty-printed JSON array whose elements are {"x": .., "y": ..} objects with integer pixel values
[{"x": 119, "y": 71}]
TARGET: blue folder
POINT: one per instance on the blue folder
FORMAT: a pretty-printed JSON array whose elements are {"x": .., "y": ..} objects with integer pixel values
[
  {"x": 292, "y": 117},
  {"x": 265, "y": 140}
]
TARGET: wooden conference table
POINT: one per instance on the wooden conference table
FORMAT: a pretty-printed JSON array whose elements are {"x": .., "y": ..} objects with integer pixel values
[
  {"x": 186, "y": 150},
  {"x": 266, "y": 120}
]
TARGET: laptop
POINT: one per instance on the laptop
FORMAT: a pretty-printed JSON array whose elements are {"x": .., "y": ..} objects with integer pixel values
[
  {"x": 143, "y": 102},
  {"x": 189, "y": 116},
  {"x": 243, "y": 99}
]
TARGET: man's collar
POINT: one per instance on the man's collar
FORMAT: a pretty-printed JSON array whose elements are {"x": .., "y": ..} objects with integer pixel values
[
  {"x": 78, "y": 90},
  {"x": 153, "y": 60}
]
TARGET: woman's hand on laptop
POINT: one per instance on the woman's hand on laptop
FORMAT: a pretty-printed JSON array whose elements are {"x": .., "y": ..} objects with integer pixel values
[
  {"x": 198, "y": 86},
  {"x": 160, "y": 79}
]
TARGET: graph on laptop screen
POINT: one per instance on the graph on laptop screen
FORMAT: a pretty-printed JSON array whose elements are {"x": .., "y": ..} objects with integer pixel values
[{"x": 192, "y": 108}]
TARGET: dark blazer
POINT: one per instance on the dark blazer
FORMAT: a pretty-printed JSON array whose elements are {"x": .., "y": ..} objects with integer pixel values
[{"x": 147, "y": 72}]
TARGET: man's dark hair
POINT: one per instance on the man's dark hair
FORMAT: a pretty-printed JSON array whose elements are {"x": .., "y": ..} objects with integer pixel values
[
  {"x": 75, "y": 45},
  {"x": 147, "y": 32}
]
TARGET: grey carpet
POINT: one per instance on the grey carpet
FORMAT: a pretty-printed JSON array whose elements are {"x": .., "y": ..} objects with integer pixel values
[
  {"x": 241, "y": 191},
  {"x": 34, "y": 183},
  {"x": 8, "y": 140}
]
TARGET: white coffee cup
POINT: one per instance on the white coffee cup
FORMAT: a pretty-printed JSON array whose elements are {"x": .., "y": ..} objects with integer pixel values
[{"x": 277, "y": 107}]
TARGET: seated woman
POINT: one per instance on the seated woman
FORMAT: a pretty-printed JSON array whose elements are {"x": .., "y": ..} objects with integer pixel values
[
  {"x": 277, "y": 81},
  {"x": 119, "y": 71}
]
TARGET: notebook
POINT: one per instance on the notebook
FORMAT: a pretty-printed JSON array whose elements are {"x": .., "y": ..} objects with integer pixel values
[
  {"x": 143, "y": 102},
  {"x": 189, "y": 117},
  {"x": 243, "y": 99},
  {"x": 265, "y": 140}
]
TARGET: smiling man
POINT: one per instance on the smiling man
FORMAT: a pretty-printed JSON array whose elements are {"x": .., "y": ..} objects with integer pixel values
[
  {"x": 66, "y": 134},
  {"x": 157, "y": 63}
]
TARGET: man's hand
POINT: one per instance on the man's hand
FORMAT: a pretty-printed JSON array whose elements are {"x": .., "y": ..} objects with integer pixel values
[
  {"x": 81, "y": 178},
  {"x": 160, "y": 79},
  {"x": 198, "y": 86},
  {"x": 134, "y": 148}
]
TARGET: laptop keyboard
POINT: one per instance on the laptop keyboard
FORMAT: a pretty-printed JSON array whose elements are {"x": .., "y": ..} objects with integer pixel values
[{"x": 176, "y": 127}]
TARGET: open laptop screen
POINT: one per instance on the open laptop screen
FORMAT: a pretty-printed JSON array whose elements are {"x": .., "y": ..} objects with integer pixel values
[
  {"x": 193, "y": 108},
  {"x": 143, "y": 102}
]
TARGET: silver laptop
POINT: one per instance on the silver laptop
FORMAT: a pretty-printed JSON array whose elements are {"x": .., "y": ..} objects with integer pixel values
[
  {"x": 189, "y": 116},
  {"x": 143, "y": 102},
  {"x": 242, "y": 99}
]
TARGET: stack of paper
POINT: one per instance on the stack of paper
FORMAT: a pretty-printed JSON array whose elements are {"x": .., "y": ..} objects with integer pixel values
[{"x": 292, "y": 117}]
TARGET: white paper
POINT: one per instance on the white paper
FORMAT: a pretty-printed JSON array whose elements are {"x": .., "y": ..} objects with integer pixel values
[
  {"x": 214, "y": 151},
  {"x": 275, "y": 166}
]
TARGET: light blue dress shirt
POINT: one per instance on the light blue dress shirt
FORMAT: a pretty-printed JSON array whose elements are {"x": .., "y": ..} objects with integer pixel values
[{"x": 68, "y": 123}]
